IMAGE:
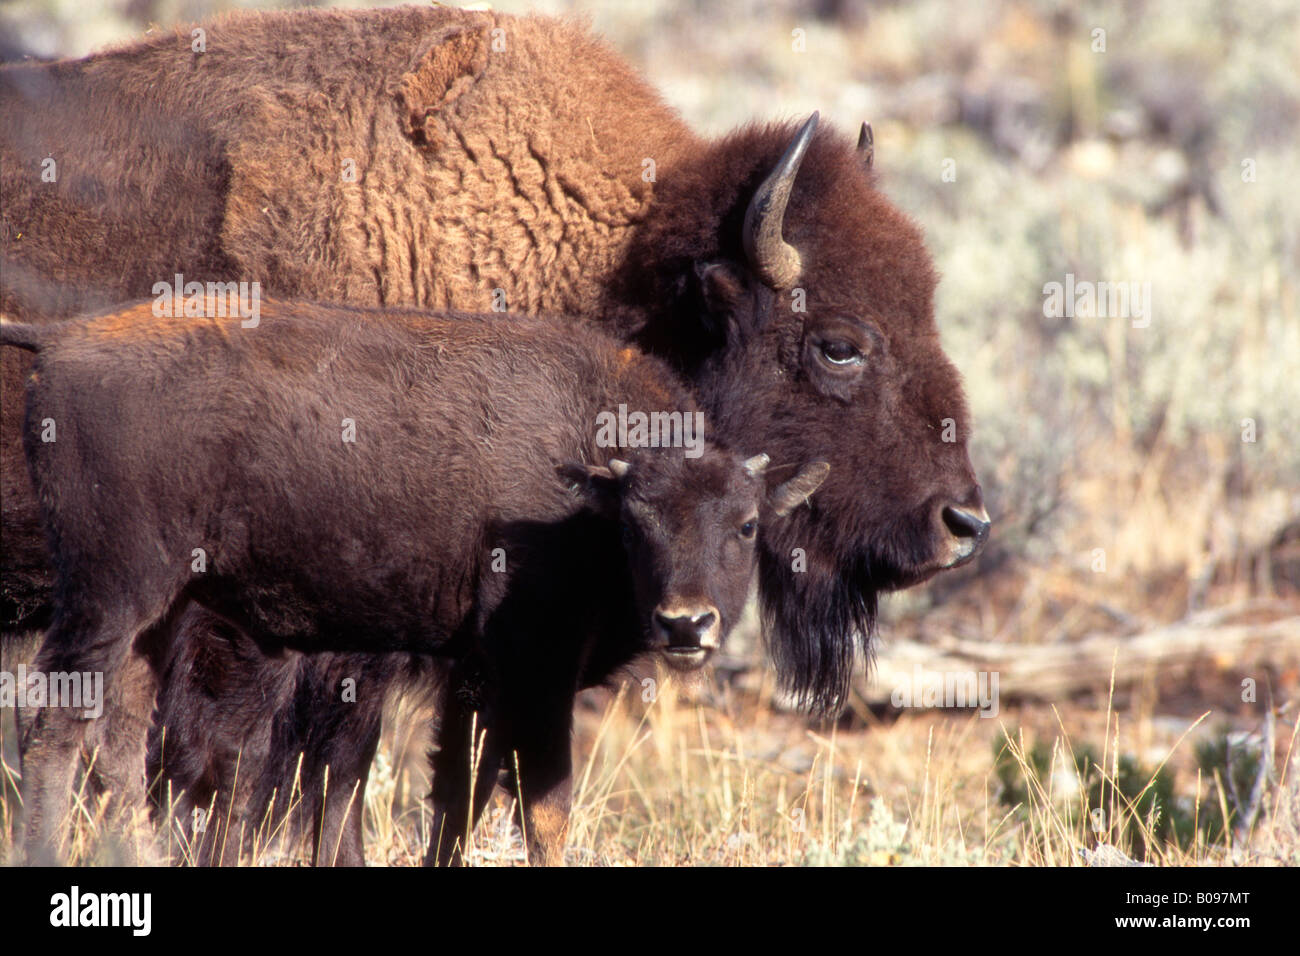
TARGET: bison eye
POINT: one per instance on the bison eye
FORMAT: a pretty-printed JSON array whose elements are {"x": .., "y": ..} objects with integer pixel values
[
  {"x": 749, "y": 529},
  {"x": 839, "y": 352}
]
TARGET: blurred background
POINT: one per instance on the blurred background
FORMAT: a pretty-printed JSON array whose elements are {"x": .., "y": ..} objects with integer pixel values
[{"x": 1144, "y": 480}]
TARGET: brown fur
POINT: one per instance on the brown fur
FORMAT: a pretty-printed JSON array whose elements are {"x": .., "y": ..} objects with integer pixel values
[{"x": 470, "y": 431}]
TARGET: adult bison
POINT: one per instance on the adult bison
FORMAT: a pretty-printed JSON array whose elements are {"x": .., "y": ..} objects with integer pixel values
[{"x": 450, "y": 159}]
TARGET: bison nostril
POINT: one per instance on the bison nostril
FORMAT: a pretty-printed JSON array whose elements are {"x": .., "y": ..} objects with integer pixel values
[
  {"x": 703, "y": 623},
  {"x": 965, "y": 524}
]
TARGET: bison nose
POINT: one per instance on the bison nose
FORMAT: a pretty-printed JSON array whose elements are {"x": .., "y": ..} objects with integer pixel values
[
  {"x": 686, "y": 636},
  {"x": 969, "y": 530}
]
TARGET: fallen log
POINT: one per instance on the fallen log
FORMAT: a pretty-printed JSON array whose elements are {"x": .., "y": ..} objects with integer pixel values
[{"x": 1053, "y": 671}]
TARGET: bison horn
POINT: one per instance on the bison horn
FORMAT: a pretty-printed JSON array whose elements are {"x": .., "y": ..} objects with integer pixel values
[
  {"x": 754, "y": 466},
  {"x": 774, "y": 259},
  {"x": 619, "y": 468},
  {"x": 797, "y": 490},
  {"x": 866, "y": 146}
]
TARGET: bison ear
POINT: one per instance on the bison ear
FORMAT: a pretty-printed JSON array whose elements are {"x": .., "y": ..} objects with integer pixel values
[
  {"x": 798, "y": 489},
  {"x": 721, "y": 286},
  {"x": 447, "y": 67},
  {"x": 728, "y": 301}
]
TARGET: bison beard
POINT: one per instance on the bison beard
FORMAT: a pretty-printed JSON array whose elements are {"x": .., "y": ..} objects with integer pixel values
[{"x": 811, "y": 612}]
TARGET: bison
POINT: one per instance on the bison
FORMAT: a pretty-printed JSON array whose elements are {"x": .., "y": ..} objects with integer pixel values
[
  {"x": 334, "y": 480},
  {"x": 451, "y": 159}
]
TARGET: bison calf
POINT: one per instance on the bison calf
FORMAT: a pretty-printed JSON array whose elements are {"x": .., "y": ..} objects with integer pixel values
[{"x": 426, "y": 485}]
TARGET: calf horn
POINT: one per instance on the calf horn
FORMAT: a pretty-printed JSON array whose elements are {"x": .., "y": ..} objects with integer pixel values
[
  {"x": 799, "y": 488},
  {"x": 866, "y": 146},
  {"x": 775, "y": 260}
]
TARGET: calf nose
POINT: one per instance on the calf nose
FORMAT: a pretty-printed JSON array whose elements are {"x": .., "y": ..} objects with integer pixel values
[
  {"x": 691, "y": 628},
  {"x": 969, "y": 530},
  {"x": 686, "y": 636}
]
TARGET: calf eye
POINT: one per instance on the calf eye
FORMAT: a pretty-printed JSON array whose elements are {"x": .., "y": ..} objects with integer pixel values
[
  {"x": 839, "y": 352},
  {"x": 749, "y": 529}
]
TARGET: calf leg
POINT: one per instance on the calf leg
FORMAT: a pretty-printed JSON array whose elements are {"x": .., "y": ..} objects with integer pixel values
[
  {"x": 116, "y": 749},
  {"x": 51, "y": 748},
  {"x": 81, "y": 642},
  {"x": 544, "y": 780},
  {"x": 349, "y": 751},
  {"x": 469, "y": 739}
]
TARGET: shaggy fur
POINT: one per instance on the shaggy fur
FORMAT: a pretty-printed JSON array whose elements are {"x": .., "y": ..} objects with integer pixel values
[{"x": 184, "y": 434}]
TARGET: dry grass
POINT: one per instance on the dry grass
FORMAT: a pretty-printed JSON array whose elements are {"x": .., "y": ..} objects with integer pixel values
[{"x": 707, "y": 775}]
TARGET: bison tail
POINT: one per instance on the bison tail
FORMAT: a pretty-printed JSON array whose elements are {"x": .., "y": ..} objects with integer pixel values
[{"x": 29, "y": 337}]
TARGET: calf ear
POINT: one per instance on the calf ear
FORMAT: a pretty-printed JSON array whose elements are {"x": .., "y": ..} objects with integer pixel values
[
  {"x": 598, "y": 484},
  {"x": 790, "y": 495},
  {"x": 448, "y": 66}
]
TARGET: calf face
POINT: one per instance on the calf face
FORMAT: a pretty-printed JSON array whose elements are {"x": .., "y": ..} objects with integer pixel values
[
  {"x": 689, "y": 531},
  {"x": 673, "y": 581}
]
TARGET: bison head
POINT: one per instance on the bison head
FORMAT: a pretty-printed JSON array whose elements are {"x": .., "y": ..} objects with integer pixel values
[
  {"x": 802, "y": 309},
  {"x": 690, "y": 527}
]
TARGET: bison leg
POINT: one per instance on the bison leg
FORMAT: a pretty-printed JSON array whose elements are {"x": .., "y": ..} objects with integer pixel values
[
  {"x": 210, "y": 738},
  {"x": 544, "y": 780},
  {"x": 346, "y": 744},
  {"x": 470, "y": 748},
  {"x": 116, "y": 746},
  {"x": 89, "y": 644},
  {"x": 350, "y": 750},
  {"x": 338, "y": 840},
  {"x": 51, "y": 748},
  {"x": 321, "y": 747}
]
